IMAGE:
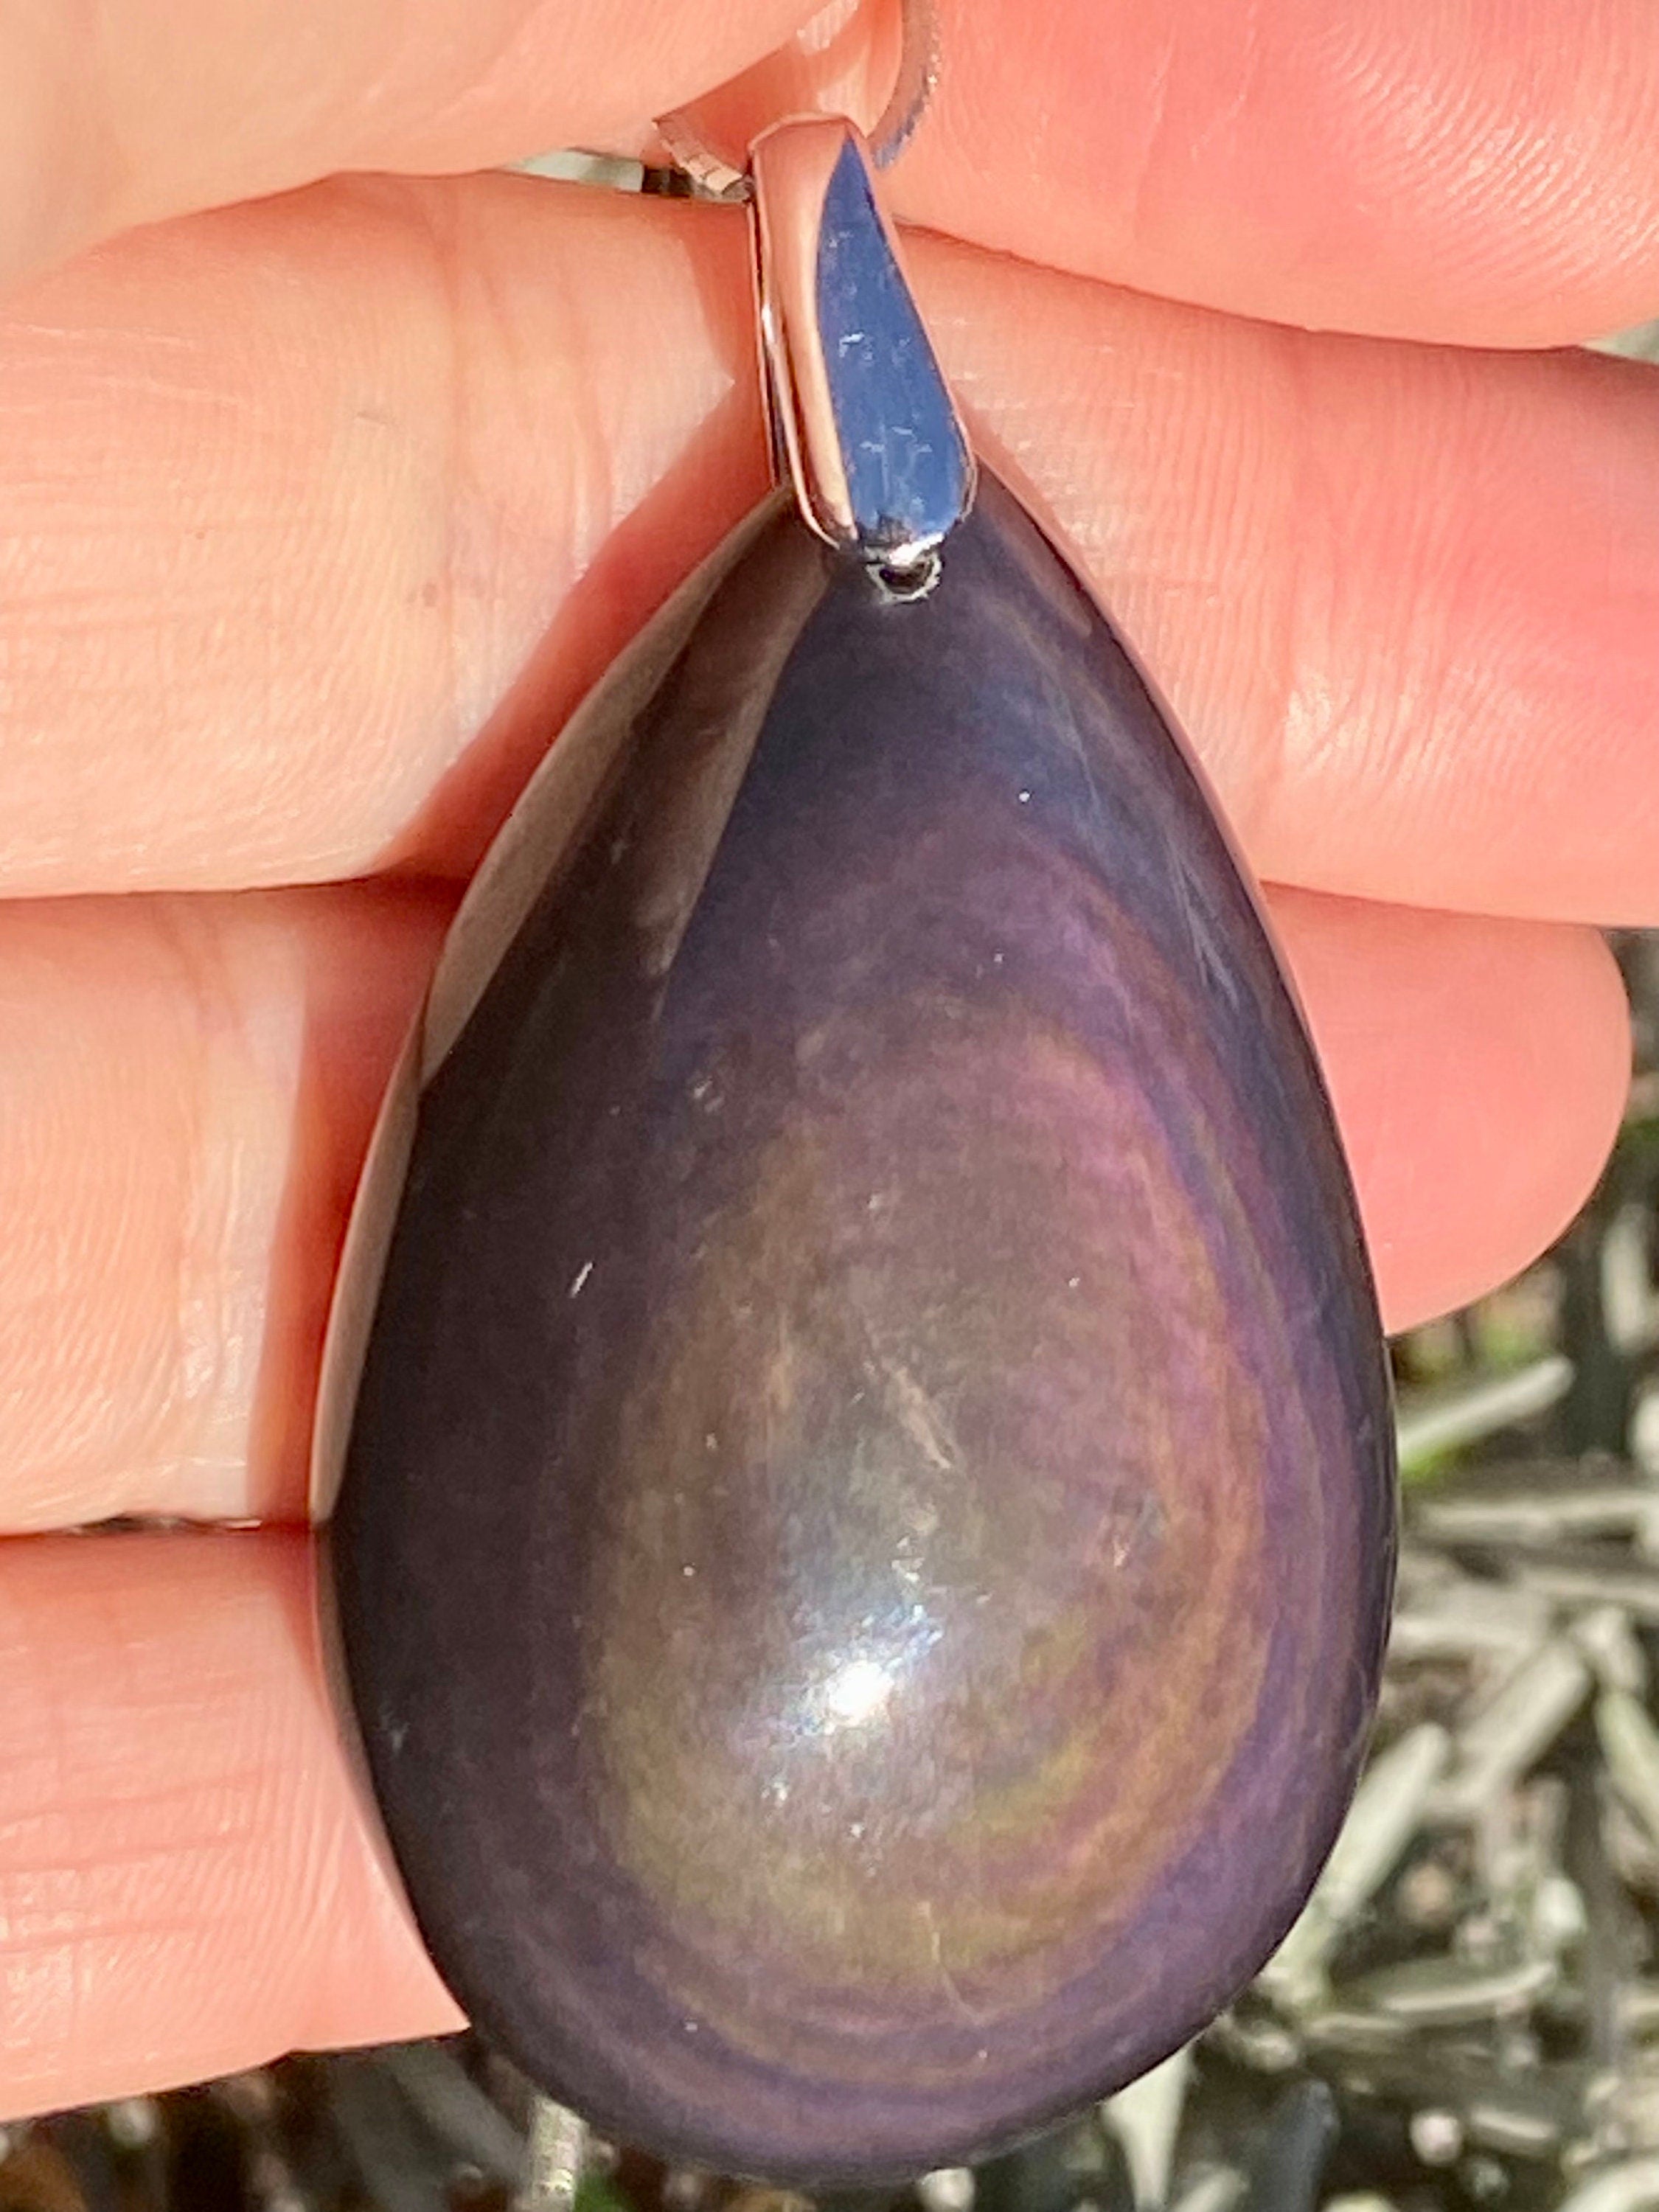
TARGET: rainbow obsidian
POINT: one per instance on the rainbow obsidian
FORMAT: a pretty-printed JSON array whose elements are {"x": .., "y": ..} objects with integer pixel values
[{"x": 866, "y": 1539}]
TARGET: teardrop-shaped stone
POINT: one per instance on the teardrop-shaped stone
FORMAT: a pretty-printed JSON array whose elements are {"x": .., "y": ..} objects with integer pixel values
[{"x": 865, "y": 1541}]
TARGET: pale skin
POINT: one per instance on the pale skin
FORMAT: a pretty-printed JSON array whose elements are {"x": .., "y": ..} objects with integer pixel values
[{"x": 316, "y": 515}]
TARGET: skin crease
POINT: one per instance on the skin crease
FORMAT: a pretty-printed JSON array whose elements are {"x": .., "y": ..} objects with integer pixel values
[
  {"x": 298, "y": 499},
  {"x": 1379, "y": 629},
  {"x": 1426, "y": 168}
]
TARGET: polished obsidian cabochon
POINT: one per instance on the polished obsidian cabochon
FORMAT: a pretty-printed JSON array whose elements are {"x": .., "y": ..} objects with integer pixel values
[{"x": 863, "y": 1548}]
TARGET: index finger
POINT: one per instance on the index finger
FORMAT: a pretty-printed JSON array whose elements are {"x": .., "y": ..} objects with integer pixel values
[{"x": 1481, "y": 170}]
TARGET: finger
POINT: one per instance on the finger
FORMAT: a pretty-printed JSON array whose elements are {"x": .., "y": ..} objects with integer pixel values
[
  {"x": 297, "y": 502},
  {"x": 1480, "y": 1070},
  {"x": 1479, "y": 170},
  {"x": 196, "y": 104},
  {"x": 189, "y": 1084},
  {"x": 1485, "y": 171},
  {"x": 185, "y": 1883},
  {"x": 185, "y": 1094}
]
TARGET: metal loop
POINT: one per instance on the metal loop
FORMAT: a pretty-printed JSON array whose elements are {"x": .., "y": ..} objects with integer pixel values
[{"x": 716, "y": 177}]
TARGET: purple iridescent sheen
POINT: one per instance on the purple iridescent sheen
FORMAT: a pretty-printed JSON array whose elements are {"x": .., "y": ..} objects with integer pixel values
[{"x": 865, "y": 1546}]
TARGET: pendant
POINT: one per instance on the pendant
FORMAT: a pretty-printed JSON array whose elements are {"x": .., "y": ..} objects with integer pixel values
[{"x": 856, "y": 1422}]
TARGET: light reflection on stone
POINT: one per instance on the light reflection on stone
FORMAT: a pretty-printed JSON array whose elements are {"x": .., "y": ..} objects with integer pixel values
[{"x": 928, "y": 1644}]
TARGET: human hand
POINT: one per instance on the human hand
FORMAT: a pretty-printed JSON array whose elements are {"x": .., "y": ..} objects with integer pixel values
[{"x": 315, "y": 517}]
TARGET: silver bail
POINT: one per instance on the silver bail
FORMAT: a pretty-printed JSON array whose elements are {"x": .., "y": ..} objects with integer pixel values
[{"x": 863, "y": 423}]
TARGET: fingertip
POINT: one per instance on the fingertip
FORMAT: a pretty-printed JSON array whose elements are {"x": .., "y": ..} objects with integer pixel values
[{"x": 1479, "y": 1069}]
